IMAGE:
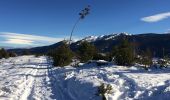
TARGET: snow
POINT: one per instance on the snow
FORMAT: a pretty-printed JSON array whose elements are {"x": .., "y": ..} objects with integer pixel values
[
  {"x": 104, "y": 37},
  {"x": 31, "y": 78},
  {"x": 90, "y": 38}
]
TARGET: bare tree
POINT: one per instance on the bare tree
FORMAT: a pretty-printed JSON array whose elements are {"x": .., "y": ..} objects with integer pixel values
[{"x": 82, "y": 14}]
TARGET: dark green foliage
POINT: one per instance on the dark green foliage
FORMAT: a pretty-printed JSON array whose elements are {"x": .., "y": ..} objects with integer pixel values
[
  {"x": 86, "y": 51},
  {"x": 3, "y": 53},
  {"x": 50, "y": 52},
  {"x": 26, "y": 52},
  {"x": 146, "y": 58},
  {"x": 123, "y": 53},
  {"x": 62, "y": 56},
  {"x": 102, "y": 56},
  {"x": 103, "y": 89},
  {"x": 162, "y": 63},
  {"x": 12, "y": 54},
  {"x": 38, "y": 55}
]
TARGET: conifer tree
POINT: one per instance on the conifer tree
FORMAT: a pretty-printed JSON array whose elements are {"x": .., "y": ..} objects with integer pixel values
[
  {"x": 26, "y": 52},
  {"x": 124, "y": 53},
  {"x": 3, "y": 53},
  {"x": 62, "y": 56},
  {"x": 147, "y": 58},
  {"x": 86, "y": 51},
  {"x": 12, "y": 54}
]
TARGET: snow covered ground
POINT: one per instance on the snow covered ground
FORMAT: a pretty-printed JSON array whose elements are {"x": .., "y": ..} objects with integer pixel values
[{"x": 31, "y": 78}]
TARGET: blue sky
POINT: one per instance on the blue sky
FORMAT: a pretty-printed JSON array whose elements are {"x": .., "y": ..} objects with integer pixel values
[{"x": 25, "y": 23}]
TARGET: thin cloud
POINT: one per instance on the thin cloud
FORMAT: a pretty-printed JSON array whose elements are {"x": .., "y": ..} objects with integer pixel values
[
  {"x": 19, "y": 41},
  {"x": 168, "y": 31},
  {"x": 25, "y": 39},
  {"x": 156, "y": 18}
]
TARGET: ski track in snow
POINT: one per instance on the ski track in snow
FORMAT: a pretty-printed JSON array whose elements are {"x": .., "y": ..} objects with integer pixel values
[{"x": 31, "y": 78}]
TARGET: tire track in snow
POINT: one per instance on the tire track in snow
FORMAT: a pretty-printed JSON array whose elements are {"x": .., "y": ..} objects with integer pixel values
[
  {"x": 25, "y": 87},
  {"x": 28, "y": 86},
  {"x": 59, "y": 91},
  {"x": 40, "y": 85}
]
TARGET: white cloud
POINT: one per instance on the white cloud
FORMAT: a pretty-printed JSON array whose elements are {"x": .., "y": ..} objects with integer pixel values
[
  {"x": 18, "y": 41},
  {"x": 156, "y": 18},
  {"x": 25, "y": 39},
  {"x": 168, "y": 31}
]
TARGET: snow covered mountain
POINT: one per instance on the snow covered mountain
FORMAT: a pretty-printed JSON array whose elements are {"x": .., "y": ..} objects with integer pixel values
[
  {"x": 105, "y": 43},
  {"x": 104, "y": 37}
]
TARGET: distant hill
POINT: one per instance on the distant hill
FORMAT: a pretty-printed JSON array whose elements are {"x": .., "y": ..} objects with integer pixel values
[
  {"x": 157, "y": 43},
  {"x": 6, "y": 47}
]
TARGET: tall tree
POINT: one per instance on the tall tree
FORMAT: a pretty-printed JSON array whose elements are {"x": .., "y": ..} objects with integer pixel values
[{"x": 82, "y": 14}]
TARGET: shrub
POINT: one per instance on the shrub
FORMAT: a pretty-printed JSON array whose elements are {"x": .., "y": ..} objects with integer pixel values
[
  {"x": 123, "y": 53},
  {"x": 163, "y": 63},
  {"x": 26, "y": 52},
  {"x": 12, "y": 54},
  {"x": 147, "y": 58},
  {"x": 62, "y": 56},
  {"x": 38, "y": 55},
  {"x": 104, "y": 89},
  {"x": 3, "y": 53},
  {"x": 86, "y": 51},
  {"x": 102, "y": 56}
]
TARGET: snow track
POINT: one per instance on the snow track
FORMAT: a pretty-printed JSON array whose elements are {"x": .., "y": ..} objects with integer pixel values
[
  {"x": 31, "y": 78},
  {"x": 26, "y": 79}
]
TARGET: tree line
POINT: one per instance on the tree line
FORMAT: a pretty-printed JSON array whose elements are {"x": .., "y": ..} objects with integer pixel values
[
  {"x": 6, "y": 54},
  {"x": 121, "y": 54}
]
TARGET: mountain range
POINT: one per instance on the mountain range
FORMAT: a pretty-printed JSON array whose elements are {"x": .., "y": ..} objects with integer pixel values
[{"x": 159, "y": 44}]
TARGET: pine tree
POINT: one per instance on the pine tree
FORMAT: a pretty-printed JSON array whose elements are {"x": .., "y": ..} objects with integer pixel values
[
  {"x": 26, "y": 52},
  {"x": 147, "y": 58},
  {"x": 86, "y": 51},
  {"x": 12, "y": 54},
  {"x": 124, "y": 53},
  {"x": 3, "y": 53},
  {"x": 62, "y": 56}
]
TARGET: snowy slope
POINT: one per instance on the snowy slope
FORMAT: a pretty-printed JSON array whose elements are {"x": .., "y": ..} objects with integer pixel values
[
  {"x": 31, "y": 78},
  {"x": 104, "y": 37}
]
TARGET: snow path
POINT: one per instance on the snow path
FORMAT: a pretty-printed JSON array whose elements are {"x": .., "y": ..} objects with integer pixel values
[
  {"x": 31, "y": 78},
  {"x": 24, "y": 78}
]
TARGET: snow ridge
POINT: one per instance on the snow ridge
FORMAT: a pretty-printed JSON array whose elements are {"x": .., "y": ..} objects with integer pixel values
[{"x": 104, "y": 37}]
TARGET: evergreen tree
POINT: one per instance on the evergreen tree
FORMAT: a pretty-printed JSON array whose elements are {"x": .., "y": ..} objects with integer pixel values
[
  {"x": 26, "y": 52},
  {"x": 3, "y": 53},
  {"x": 86, "y": 51},
  {"x": 147, "y": 58},
  {"x": 124, "y": 53},
  {"x": 163, "y": 62},
  {"x": 12, "y": 54},
  {"x": 62, "y": 56},
  {"x": 102, "y": 56}
]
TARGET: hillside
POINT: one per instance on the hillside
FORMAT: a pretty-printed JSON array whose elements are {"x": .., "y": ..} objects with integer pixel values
[{"x": 105, "y": 43}]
